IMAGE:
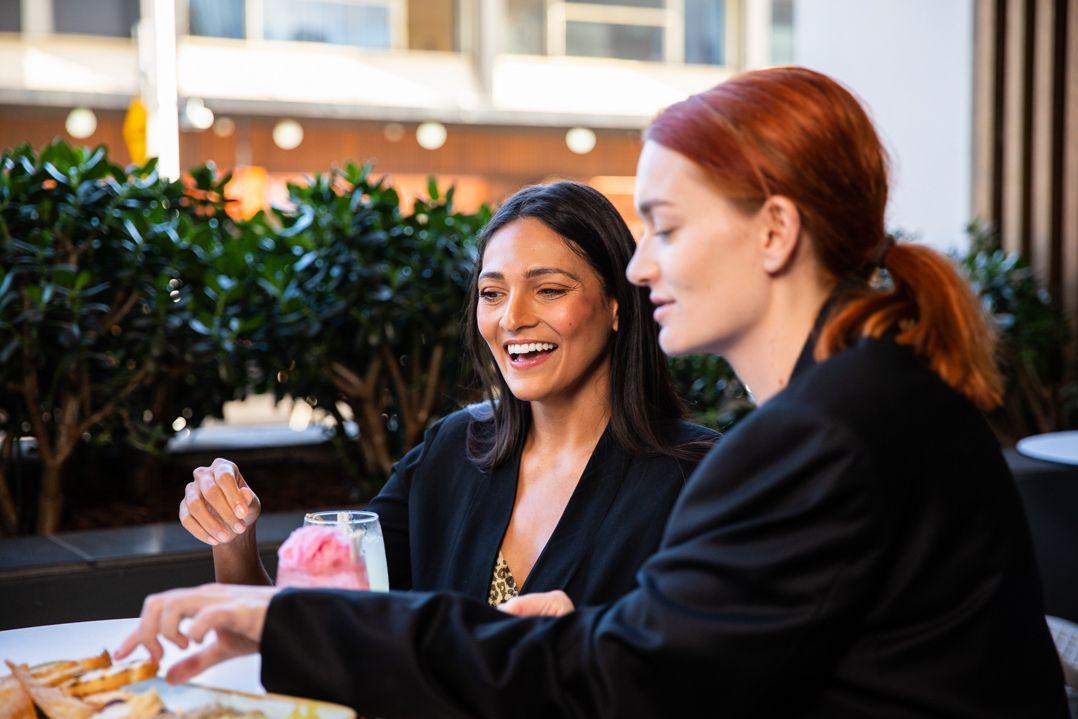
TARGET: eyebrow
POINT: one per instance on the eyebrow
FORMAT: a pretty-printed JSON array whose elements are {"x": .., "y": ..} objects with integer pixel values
[
  {"x": 647, "y": 206},
  {"x": 532, "y": 273}
]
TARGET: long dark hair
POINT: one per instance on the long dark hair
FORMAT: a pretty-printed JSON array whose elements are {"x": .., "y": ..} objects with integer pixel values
[{"x": 642, "y": 394}]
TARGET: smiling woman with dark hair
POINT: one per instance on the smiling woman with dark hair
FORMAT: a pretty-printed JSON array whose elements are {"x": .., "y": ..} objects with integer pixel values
[{"x": 564, "y": 477}]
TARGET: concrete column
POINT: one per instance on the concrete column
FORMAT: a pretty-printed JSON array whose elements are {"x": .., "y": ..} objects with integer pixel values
[
  {"x": 36, "y": 17},
  {"x": 156, "y": 37},
  {"x": 757, "y": 49}
]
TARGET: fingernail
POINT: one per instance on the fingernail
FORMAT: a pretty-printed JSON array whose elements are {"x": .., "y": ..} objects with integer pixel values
[
  {"x": 238, "y": 526},
  {"x": 241, "y": 511},
  {"x": 213, "y": 542},
  {"x": 223, "y": 537}
]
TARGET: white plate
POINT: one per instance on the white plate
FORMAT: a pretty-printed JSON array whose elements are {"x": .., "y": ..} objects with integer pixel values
[
  {"x": 1052, "y": 447},
  {"x": 186, "y": 697}
]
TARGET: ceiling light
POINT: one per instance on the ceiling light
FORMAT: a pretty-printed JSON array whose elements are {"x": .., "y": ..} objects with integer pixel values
[
  {"x": 81, "y": 122},
  {"x": 287, "y": 134},
  {"x": 431, "y": 135},
  {"x": 580, "y": 140}
]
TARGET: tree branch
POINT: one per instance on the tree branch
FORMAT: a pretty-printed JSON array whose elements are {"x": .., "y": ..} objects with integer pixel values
[
  {"x": 116, "y": 315},
  {"x": 110, "y": 406},
  {"x": 9, "y": 516},
  {"x": 31, "y": 395}
]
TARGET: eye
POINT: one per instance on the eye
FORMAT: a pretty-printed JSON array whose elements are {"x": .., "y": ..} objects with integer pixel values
[
  {"x": 489, "y": 295},
  {"x": 664, "y": 235},
  {"x": 552, "y": 291}
]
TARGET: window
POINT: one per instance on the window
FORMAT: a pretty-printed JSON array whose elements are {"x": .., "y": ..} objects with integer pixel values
[
  {"x": 10, "y": 15},
  {"x": 691, "y": 31},
  {"x": 782, "y": 32},
  {"x": 705, "y": 32},
  {"x": 112, "y": 18},
  {"x": 217, "y": 18},
  {"x": 525, "y": 26},
  {"x": 629, "y": 42},
  {"x": 376, "y": 24},
  {"x": 339, "y": 22}
]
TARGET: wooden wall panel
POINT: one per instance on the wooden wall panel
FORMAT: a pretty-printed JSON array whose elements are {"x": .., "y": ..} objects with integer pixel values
[
  {"x": 1069, "y": 173},
  {"x": 1026, "y": 96}
]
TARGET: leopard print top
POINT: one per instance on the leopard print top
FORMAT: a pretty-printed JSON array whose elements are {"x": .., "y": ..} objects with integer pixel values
[{"x": 502, "y": 585}]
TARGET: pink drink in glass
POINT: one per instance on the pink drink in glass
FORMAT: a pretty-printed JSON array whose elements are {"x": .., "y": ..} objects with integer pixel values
[{"x": 320, "y": 557}]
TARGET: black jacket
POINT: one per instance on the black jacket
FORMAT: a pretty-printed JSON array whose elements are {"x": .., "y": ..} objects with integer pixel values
[
  {"x": 855, "y": 548},
  {"x": 443, "y": 519}
]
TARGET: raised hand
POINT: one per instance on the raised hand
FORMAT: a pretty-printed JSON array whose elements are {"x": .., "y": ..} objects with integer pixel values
[{"x": 218, "y": 506}]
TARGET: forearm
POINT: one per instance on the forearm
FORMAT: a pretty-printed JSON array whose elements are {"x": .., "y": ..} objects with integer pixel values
[{"x": 238, "y": 561}]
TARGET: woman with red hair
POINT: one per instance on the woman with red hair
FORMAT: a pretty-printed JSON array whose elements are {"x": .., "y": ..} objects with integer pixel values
[{"x": 856, "y": 547}]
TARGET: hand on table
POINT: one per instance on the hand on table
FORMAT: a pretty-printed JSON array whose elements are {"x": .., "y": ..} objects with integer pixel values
[
  {"x": 539, "y": 604},
  {"x": 236, "y": 613},
  {"x": 218, "y": 506}
]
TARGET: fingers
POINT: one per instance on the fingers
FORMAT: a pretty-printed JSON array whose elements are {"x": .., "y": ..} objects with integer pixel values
[
  {"x": 540, "y": 604},
  {"x": 146, "y": 633},
  {"x": 227, "y": 476},
  {"x": 222, "y": 496},
  {"x": 170, "y": 625},
  {"x": 191, "y": 525},
  {"x": 199, "y": 662},
  {"x": 202, "y": 513}
]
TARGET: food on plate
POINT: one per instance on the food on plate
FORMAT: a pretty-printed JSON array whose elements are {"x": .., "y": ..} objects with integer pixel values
[
  {"x": 106, "y": 680},
  {"x": 96, "y": 688},
  {"x": 53, "y": 702},
  {"x": 53, "y": 674},
  {"x": 15, "y": 703}
]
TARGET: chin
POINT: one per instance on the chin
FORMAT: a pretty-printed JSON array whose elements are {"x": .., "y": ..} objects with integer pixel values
[{"x": 671, "y": 344}]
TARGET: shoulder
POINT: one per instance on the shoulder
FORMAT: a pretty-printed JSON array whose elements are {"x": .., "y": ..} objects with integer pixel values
[
  {"x": 682, "y": 432},
  {"x": 676, "y": 470},
  {"x": 445, "y": 440},
  {"x": 873, "y": 383}
]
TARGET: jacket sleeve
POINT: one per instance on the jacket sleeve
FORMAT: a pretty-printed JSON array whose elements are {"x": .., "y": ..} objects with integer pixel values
[
  {"x": 391, "y": 506},
  {"x": 766, "y": 561}
]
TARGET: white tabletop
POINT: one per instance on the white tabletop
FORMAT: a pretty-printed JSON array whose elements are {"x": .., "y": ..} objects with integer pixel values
[
  {"x": 1052, "y": 447},
  {"x": 34, "y": 645}
]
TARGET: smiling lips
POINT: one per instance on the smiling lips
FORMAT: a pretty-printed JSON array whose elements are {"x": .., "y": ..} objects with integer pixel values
[
  {"x": 523, "y": 355},
  {"x": 662, "y": 307}
]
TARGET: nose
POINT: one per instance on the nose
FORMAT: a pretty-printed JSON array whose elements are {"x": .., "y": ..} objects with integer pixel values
[
  {"x": 518, "y": 313},
  {"x": 642, "y": 269}
]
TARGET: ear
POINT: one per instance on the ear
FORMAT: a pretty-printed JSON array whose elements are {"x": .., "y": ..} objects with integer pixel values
[
  {"x": 780, "y": 232},
  {"x": 614, "y": 313}
]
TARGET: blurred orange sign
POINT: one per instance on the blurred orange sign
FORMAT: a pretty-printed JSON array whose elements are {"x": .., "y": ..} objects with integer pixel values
[{"x": 134, "y": 131}]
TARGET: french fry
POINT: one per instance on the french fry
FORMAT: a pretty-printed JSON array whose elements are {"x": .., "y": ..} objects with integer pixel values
[
  {"x": 15, "y": 703},
  {"x": 52, "y": 701}
]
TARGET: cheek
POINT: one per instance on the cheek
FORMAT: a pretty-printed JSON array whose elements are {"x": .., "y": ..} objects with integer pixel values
[{"x": 486, "y": 318}]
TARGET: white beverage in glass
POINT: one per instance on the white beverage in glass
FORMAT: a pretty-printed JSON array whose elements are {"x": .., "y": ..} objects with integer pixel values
[{"x": 365, "y": 537}]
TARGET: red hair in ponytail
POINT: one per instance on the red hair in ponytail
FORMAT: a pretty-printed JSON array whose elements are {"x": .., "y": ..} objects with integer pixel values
[{"x": 797, "y": 133}]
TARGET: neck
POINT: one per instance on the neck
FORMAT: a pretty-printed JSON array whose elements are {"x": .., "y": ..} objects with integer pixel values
[
  {"x": 576, "y": 420},
  {"x": 765, "y": 358}
]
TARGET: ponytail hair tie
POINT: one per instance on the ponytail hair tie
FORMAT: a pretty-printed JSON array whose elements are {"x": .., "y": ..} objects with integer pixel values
[{"x": 881, "y": 252}]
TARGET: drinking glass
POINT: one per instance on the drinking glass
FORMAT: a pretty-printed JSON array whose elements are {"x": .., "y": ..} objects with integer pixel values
[{"x": 365, "y": 536}]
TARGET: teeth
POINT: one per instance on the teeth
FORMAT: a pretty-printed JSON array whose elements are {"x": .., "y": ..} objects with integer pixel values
[{"x": 530, "y": 347}]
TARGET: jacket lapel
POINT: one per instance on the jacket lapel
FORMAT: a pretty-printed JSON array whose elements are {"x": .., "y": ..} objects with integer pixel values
[
  {"x": 483, "y": 527},
  {"x": 588, "y": 506}
]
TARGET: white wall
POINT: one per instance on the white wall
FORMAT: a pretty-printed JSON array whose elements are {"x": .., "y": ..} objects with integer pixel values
[{"x": 910, "y": 61}]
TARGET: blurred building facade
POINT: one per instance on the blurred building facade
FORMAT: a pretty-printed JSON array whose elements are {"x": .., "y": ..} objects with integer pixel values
[
  {"x": 489, "y": 94},
  {"x": 976, "y": 99}
]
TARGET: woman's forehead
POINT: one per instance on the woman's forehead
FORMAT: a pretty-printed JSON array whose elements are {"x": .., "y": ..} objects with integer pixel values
[{"x": 527, "y": 245}]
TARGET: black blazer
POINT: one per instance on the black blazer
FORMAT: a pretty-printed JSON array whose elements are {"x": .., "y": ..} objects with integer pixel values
[
  {"x": 855, "y": 548},
  {"x": 443, "y": 519}
]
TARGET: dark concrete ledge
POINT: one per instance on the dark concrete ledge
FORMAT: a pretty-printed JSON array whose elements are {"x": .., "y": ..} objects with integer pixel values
[{"x": 106, "y": 573}]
